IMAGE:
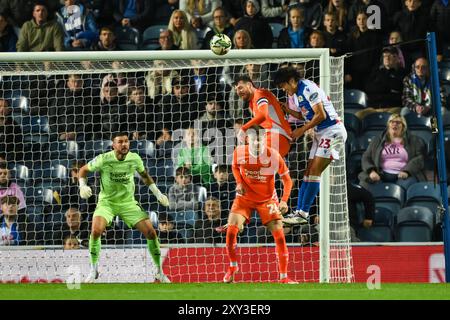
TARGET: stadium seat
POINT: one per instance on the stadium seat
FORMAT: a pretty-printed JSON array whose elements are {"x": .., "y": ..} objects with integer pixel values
[
  {"x": 35, "y": 124},
  {"x": 366, "y": 138},
  {"x": 150, "y": 37},
  {"x": 375, "y": 121},
  {"x": 375, "y": 234},
  {"x": 414, "y": 224},
  {"x": 145, "y": 148},
  {"x": 388, "y": 195},
  {"x": 425, "y": 194},
  {"x": 416, "y": 121},
  {"x": 352, "y": 123},
  {"x": 93, "y": 148},
  {"x": 64, "y": 150},
  {"x": 21, "y": 174},
  {"x": 354, "y": 100},
  {"x": 187, "y": 217},
  {"x": 127, "y": 38},
  {"x": 20, "y": 104},
  {"x": 34, "y": 222},
  {"x": 444, "y": 75},
  {"x": 42, "y": 197}
]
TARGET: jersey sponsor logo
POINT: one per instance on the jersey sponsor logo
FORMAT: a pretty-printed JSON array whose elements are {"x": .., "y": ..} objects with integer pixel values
[
  {"x": 313, "y": 96},
  {"x": 300, "y": 99},
  {"x": 119, "y": 177},
  {"x": 255, "y": 175}
]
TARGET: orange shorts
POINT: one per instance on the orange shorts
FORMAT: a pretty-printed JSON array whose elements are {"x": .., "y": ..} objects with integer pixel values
[
  {"x": 279, "y": 143},
  {"x": 267, "y": 210}
]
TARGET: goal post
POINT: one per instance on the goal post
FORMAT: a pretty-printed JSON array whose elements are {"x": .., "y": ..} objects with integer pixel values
[{"x": 327, "y": 260}]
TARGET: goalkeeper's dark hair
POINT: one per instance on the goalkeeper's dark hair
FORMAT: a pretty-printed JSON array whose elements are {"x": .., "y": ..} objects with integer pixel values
[
  {"x": 244, "y": 78},
  {"x": 283, "y": 75},
  {"x": 119, "y": 134}
]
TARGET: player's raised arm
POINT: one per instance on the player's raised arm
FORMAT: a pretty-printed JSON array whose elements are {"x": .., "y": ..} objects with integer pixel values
[
  {"x": 85, "y": 190},
  {"x": 162, "y": 198},
  {"x": 319, "y": 116}
]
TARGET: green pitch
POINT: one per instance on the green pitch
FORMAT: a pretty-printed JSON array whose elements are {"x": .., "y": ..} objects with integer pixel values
[{"x": 218, "y": 291}]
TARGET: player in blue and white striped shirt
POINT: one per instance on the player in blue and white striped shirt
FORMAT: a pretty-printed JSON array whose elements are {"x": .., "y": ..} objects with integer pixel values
[{"x": 318, "y": 113}]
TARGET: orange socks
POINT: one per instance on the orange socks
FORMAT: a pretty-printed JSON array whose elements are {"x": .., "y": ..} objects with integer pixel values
[
  {"x": 282, "y": 251},
  {"x": 232, "y": 232}
]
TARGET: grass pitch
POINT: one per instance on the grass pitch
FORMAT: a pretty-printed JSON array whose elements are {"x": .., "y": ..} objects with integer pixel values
[{"x": 219, "y": 291}]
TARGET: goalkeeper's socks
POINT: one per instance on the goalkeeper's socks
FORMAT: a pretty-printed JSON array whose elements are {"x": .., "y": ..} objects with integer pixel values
[
  {"x": 155, "y": 252},
  {"x": 301, "y": 192},
  {"x": 94, "y": 249},
  {"x": 281, "y": 250},
  {"x": 231, "y": 241},
  {"x": 312, "y": 187}
]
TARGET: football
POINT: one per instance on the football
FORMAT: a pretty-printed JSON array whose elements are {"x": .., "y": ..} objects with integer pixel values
[{"x": 220, "y": 44}]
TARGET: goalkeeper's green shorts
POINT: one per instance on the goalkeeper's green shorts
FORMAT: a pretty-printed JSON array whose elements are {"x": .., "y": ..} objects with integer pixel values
[{"x": 130, "y": 213}]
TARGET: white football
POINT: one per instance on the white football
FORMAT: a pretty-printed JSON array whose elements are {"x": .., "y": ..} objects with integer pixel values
[{"x": 220, "y": 44}]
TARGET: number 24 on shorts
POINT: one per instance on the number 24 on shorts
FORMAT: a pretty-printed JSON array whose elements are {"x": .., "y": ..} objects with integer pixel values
[{"x": 273, "y": 208}]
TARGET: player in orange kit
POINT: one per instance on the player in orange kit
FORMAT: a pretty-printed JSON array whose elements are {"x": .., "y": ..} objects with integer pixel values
[
  {"x": 254, "y": 168},
  {"x": 267, "y": 113}
]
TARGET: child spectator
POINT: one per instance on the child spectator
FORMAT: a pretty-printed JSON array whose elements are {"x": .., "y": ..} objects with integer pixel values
[
  {"x": 11, "y": 233},
  {"x": 223, "y": 189},
  {"x": 205, "y": 228},
  {"x": 182, "y": 195},
  {"x": 167, "y": 232},
  {"x": 9, "y": 188}
]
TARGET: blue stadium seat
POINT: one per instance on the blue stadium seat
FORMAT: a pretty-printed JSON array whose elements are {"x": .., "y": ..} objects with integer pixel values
[
  {"x": 354, "y": 100},
  {"x": 365, "y": 139},
  {"x": 187, "y": 218},
  {"x": 375, "y": 234},
  {"x": 19, "y": 103},
  {"x": 127, "y": 38},
  {"x": 388, "y": 195},
  {"x": 414, "y": 224},
  {"x": 93, "y": 148},
  {"x": 444, "y": 75},
  {"x": 375, "y": 121},
  {"x": 150, "y": 37},
  {"x": 425, "y": 194},
  {"x": 416, "y": 121},
  {"x": 21, "y": 173},
  {"x": 35, "y": 128},
  {"x": 42, "y": 197},
  {"x": 64, "y": 150},
  {"x": 352, "y": 123},
  {"x": 145, "y": 148}
]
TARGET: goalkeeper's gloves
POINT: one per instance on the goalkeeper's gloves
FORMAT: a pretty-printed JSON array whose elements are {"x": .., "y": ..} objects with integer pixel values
[
  {"x": 162, "y": 198},
  {"x": 85, "y": 190}
]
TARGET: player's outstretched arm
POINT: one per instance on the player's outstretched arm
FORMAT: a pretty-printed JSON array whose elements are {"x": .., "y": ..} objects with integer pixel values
[
  {"x": 85, "y": 190},
  {"x": 162, "y": 198},
  {"x": 319, "y": 116}
]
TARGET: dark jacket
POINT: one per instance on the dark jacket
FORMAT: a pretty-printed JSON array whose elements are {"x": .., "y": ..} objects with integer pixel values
[
  {"x": 440, "y": 19},
  {"x": 284, "y": 40},
  {"x": 371, "y": 159},
  {"x": 335, "y": 41},
  {"x": 144, "y": 13},
  {"x": 8, "y": 40},
  {"x": 384, "y": 87},
  {"x": 259, "y": 30},
  {"x": 357, "y": 194},
  {"x": 205, "y": 231}
]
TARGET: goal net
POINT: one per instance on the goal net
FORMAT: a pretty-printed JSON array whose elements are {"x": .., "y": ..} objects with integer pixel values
[{"x": 180, "y": 111}]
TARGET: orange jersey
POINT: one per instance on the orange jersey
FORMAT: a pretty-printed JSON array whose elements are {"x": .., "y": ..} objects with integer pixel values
[
  {"x": 268, "y": 113},
  {"x": 257, "y": 174}
]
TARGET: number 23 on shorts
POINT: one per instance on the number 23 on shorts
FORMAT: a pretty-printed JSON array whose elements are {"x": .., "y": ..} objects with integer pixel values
[{"x": 324, "y": 143}]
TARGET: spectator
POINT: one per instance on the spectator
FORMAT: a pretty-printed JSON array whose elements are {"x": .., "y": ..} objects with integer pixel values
[
  {"x": 205, "y": 227},
  {"x": 296, "y": 35},
  {"x": 10, "y": 188},
  {"x": 139, "y": 118},
  {"x": 183, "y": 196},
  {"x": 167, "y": 232},
  {"x": 75, "y": 227},
  {"x": 159, "y": 80},
  {"x": 334, "y": 38},
  {"x": 17, "y": 12},
  {"x": 40, "y": 34},
  {"x": 339, "y": 8},
  {"x": 394, "y": 156},
  {"x": 394, "y": 38},
  {"x": 312, "y": 11},
  {"x": 8, "y": 38},
  {"x": 183, "y": 34},
  {"x": 235, "y": 8},
  {"x": 180, "y": 107},
  {"x": 223, "y": 189},
  {"x": 357, "y": 194},
  {"x": 384, "y": 85},
  {"x": 69, "y": 109},
  {"x": 107, "y": 40},
  {"x": 200, "y": 8},
  {"x": 194, "y": 156},
  {"x": 362, "y": 5},
  {"x": 275, "y": 10},
  {"x": 440, "y": 17},
  {"x": 166, "y": 41},
  {"x": 164, "y": 10},
  {"x": 134, "y": 13},
  {"x": 417, "y": 90},
  {"x": 316, "y": 39},
  {"x": 11, "y": 231},
  {"x": 101, "y": 10},
  {"x": 412, "y": 21},
  {"x": 71, "y": 243},
  {"x": 80, "y": 29},
  {"x": 259, "y": 30},
  {"x": 220, "y": 25},
  {"x": 200, "y": 29},
  {"x": 359, "y": 66},
  {"x": 205, "y": 81},
  {"x": 242, "y": 40},
  {"x": 213, "y": 117},
  {"x": 164, "y": 144},
  {"x": 11, "y": 137}
]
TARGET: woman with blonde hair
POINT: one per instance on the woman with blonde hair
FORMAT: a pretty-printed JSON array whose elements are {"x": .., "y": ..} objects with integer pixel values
[
  {"x": 200, "y": 8},
  {"x": 242, "y": 40},
  {"x": 183, "y": 34},
  {"x": 394, "y": 156}
]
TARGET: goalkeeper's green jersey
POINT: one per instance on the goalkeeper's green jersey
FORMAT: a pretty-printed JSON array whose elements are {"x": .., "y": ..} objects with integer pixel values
[{"x": 116, "y": 176}]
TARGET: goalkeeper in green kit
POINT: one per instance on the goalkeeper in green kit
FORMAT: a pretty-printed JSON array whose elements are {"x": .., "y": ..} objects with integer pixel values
[{"x": 117, "y": 168}]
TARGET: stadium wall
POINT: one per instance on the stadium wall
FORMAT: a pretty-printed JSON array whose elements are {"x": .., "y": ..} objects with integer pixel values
[{"x": 397, "y": 263}]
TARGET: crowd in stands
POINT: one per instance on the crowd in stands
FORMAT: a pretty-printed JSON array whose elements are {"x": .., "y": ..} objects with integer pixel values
[{"x": 159, "y": 107}]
